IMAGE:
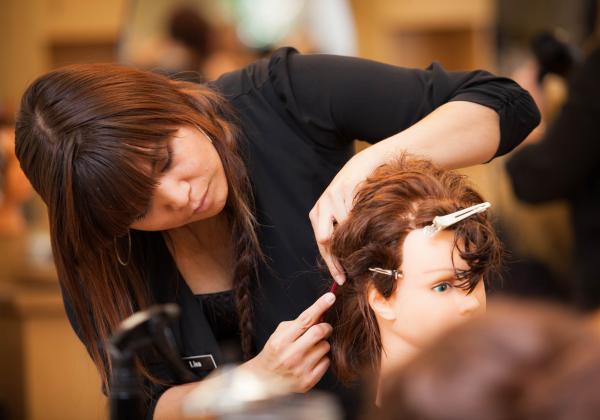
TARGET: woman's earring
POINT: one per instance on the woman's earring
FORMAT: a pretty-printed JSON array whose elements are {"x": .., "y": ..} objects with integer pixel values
[
  {"x": 123, "y": 263},
  {"x": 204, "y": 133}
]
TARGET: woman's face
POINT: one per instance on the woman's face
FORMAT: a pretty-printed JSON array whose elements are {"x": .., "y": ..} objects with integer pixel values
[
  {"x": 426, "y": 301},
  {"x": 192, "y": 184}
]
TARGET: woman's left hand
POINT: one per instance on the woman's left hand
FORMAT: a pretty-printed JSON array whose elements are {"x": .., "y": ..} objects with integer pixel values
[{"x": 335, "y": 203}]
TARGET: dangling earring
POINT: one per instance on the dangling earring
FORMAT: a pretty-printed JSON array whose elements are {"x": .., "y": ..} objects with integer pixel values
[
  {"x": 204, "y": 132},
  {"x": 123, "y": 263}
]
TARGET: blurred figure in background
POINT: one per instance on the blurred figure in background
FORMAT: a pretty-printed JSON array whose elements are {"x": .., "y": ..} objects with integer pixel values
[
  {"x": 519, "y": 362},
  {"x": 14, "y": 187},
  {"x": 15, "y": 190},
  {"x": 193, "y": 48},
  {"x": 564, "y": 163}
]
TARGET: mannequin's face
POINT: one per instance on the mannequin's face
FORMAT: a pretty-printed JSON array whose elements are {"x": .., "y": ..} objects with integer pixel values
[{"x": 426, "y": 301}]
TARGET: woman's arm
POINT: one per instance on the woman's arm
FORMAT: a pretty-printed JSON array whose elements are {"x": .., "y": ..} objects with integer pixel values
[
  {"x": 455, "y": 118},
  {"x": 334, "y": 100},
  {"x": 470, "y": 134}
]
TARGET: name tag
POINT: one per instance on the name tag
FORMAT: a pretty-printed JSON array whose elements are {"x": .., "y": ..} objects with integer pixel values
[{"x": 200, "y": 363}]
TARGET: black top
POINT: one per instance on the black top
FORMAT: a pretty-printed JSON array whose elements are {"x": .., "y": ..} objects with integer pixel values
[
  {"x": 220, "y": 312},
  {"x": 299, "y": 115},
  {"x": 565, "y": 164}
]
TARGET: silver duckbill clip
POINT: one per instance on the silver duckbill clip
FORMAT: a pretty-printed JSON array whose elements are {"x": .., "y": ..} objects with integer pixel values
[
  {"x": 394, "y": 273},
  {"x": 442, "y": 222}
]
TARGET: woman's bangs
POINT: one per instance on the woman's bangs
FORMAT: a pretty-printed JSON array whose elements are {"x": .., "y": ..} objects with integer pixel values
[{"x": 116, "y": 184}]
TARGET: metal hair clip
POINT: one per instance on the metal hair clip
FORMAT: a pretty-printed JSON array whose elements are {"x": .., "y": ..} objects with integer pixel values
[
  {"x": 394, "y": 273},
  {"x": 442, "y": 222}
]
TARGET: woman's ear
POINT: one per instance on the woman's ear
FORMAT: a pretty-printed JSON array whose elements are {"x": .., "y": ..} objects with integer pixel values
[{"x": 380, "y": 304}]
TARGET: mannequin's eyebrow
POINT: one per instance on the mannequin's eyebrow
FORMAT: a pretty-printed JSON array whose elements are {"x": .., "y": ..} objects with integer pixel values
[{"x": 436, "y": 270}]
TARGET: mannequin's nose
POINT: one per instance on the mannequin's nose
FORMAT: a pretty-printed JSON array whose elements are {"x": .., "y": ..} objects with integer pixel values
[{"x": 469, "y": 303}]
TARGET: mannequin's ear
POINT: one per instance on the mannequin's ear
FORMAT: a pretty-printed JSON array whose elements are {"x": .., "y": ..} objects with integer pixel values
[{"x": 380, "y": 305}]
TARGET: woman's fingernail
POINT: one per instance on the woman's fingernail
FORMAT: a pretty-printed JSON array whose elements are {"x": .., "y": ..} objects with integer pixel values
[
  {"x": 329, "y": 297},
  {"x": 339, "y": 279}
]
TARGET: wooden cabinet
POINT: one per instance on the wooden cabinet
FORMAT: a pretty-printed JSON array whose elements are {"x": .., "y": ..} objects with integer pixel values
[
  {"x": 413, "y": 33},
  {"x": 45, "y": 372}
]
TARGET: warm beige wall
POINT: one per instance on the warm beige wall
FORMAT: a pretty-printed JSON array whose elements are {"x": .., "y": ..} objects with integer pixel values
[
  {"x": 414, "y": 32},
  {"x": 45, "y": 372},
  {"x": 28, "y": 29},
  {"x": 21, "y": 52}
]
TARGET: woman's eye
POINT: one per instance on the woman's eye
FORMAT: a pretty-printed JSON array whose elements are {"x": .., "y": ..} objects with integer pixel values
[
  {"x": 165, "y": 164},
  {"x": 441, "y": 288}
]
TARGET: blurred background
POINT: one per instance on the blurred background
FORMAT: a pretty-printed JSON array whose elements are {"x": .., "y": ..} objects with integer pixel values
[{"x": 44, "y": 371}]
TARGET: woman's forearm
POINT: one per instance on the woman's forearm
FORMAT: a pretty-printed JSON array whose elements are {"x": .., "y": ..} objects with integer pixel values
[
  {"x": 455, "y": 135},
  {"x": 169, "y": 404}
]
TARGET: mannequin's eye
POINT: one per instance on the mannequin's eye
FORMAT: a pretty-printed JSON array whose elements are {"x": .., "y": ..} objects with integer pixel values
[{"x": 442, "y": 287}]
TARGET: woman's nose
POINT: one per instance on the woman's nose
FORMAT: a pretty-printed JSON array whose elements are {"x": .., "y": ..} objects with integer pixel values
[{"x": 174, "y": 194}]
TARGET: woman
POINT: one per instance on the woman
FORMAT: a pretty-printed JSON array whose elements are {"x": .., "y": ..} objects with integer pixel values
[
  {"x": 159, "y": 190},
  {"x": 405, "y": 286}
]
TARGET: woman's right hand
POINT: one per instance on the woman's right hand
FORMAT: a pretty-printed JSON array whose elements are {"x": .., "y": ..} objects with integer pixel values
[{"x": 297, "y": 350}]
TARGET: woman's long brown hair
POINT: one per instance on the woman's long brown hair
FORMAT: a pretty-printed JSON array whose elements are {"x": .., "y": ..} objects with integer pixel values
[
  {"x": 86, "y": 137},
  {"x": 397, "y": 198}
]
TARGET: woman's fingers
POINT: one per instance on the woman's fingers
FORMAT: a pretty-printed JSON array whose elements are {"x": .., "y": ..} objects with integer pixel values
[
  {"x": 294, "y": 358},
  {"x": 315, "y": 375},
  {"x": 315, "y": 354},
  {"x": 311, "y": 338},
  {"x": 332, "y": 265},
  {"x": 297, "y": 349},
  {"x": 290, "y": 331},
  {"x": 313, "y": 314},
  {"x": 331, "y": 209}
]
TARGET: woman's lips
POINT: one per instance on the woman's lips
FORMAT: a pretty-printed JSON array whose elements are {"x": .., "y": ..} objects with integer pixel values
[{"x": 203, "y": 202}]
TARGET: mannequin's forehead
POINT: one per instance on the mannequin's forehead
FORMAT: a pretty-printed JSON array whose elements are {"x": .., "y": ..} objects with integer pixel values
[{"x": 421, "y": 252}]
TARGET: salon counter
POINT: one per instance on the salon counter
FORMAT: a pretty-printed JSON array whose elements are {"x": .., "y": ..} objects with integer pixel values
[{"x": 45, "y": 372}]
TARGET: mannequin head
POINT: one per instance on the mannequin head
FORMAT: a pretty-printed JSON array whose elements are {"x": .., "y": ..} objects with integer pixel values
[{"x": 380, "y": 320}]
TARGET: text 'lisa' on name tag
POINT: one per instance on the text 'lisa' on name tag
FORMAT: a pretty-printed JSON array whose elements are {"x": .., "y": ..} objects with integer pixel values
[{"x": 200, "y": 363}]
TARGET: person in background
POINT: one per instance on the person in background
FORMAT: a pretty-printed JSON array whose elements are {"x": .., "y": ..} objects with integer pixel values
[
  {"x": 15, "y": 189},
  {"x": 192, "y": 48},
  {"x": 564, "y": 164},
  {"x": 520, "y": 361},
  {"x": 15, "y": 192}
]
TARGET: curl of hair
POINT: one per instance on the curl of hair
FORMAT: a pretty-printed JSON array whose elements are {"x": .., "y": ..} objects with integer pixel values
[{"x": 396, "y": 199}]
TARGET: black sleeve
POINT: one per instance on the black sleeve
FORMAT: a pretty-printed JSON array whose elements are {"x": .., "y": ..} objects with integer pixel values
[
  {"x": 338, "y": 99},
  {"x": 559, "y": 164}
]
